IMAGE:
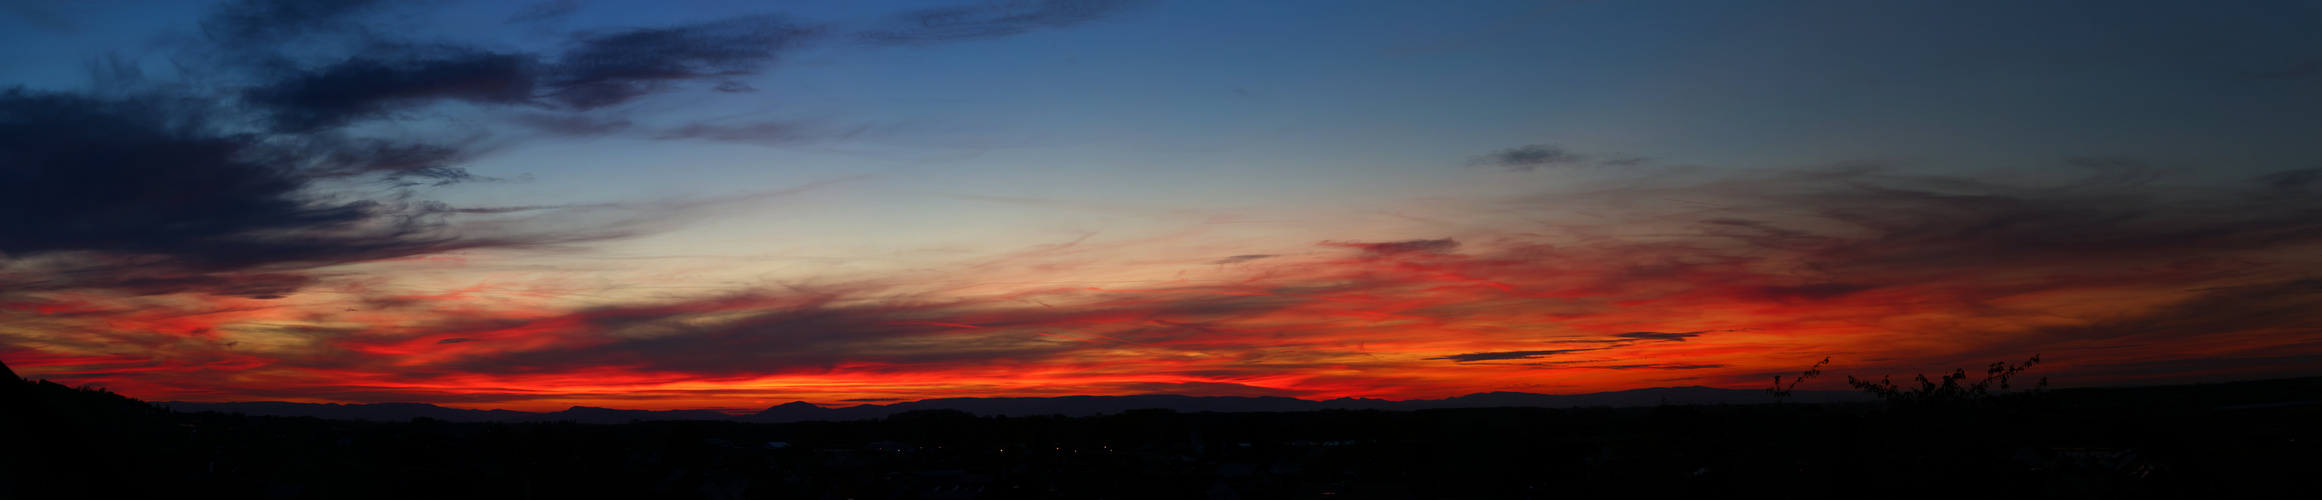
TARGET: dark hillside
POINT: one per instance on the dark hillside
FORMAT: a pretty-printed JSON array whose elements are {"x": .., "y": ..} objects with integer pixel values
[{"x": 2244, "y": 439}]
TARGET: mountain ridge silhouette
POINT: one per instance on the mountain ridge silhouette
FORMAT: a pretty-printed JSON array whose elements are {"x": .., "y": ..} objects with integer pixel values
[{"x": 799, "y": 411}]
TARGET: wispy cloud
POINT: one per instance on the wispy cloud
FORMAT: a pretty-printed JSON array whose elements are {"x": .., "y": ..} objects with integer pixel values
[
  {"x": 1402, "y": 247},
  {"x": 1659, "y": 336},
  {"x": 1496, "y": 356},
  {"x": 1240, "y": 259},
  {"x": 1548, "y": 156},
  {"x": 239, "y": 189},
  {"x": 987, "y": 20}
]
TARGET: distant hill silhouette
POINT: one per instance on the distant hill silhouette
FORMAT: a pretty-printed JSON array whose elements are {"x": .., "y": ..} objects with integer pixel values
[
  {"x": 407, "y": 411},
  {"x": 2247, "y": 439},
  {"x": 1065, "y": 405}
]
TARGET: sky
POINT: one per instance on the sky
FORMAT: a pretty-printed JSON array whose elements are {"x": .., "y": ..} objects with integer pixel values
[{"x": 731, "y": 205}]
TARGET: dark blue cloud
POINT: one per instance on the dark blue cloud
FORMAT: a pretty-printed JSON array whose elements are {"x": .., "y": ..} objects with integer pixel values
[
  {"x": 1506, "y": 355},
  {"x": 158, "y": 187},
  {"x": 991, "y": 20},
  {"x": 1659, "y": 336}
]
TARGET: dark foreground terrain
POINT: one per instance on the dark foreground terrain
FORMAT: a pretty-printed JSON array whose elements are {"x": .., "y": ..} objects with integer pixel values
[{"x": 2244, "y": 439}]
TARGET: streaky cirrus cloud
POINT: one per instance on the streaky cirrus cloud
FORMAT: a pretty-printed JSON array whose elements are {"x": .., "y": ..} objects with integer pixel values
[
  {"x": 378, "y": 76},
  {"x": 1659, "y": 336},
  {"x": 1237, "y": 259},
  {"x": 989, "y": 20},
  {"x": 1497, "y": 356},
  {"x": 1531, "y": 157},
  {"x": 1401, "y": 247}
]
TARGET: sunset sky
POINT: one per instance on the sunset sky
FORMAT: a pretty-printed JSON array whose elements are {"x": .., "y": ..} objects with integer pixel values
[{"x": 730, "y": 205}]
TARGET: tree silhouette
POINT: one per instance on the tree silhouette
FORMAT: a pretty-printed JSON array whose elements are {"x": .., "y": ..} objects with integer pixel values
[
  {"x": 1951, "y": 390},
  {"x": 1781, "y": 392}
]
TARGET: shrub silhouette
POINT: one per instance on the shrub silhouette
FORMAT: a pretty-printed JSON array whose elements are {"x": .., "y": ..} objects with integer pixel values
[
  {"x": 1782, "y": 392},
  {"x": 1952, "y": 390}
]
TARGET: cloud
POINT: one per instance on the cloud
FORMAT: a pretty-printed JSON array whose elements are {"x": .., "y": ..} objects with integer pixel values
[
  {"x": 36, "y": 13},
  {"x": 777, "y": 333},
  {"x": 599, "y": 69},
  {"x": 991, "y": 20},
  {"x": 1496, "y": 356},
  {"x": 545, "y": 12},
  {"x": 322, "y": 66},
  {"x": 1240, "y": 259},
  {"x": 1814, "y": 292},
  {"x": 1932, "y": 281},
  {"x": 2290, "y": 180},
  {"x": 1935, "y": 276},
  {"x": 594, "y": 70},
  {"x": 325, "y": 65},
  {"x": 1659, "y": 336},
  {"x": 1209, "y": 389},
  {"x": 1329, "y": 324},
  {"x": 256, "y": 286},
  {"x": 1444, "y": 245},
  {"x": 116, "y": 176},
  {"x": 1869, "y": 219},
  {"x": 266, "y": 25},
  {"x": 234, "y": 185},
  {"x": 148, "y": 184},
  {"x": 157, "y": 187},
  {"x": 757, "y": 132},
  {"x": 1530, "y": 157},
  {"x": 391, "y": 78},
  {"x": 1653, "y": 367},
  {"x": 156, "y": 192},
  {"x": 574, "y": 125},
  {"x": 167, "y": 209}
]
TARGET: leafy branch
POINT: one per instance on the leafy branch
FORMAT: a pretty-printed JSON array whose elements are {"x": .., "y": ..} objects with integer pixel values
[
  {"x": 1952, "y": 388},
  {"x": 1782, "y": 392}
]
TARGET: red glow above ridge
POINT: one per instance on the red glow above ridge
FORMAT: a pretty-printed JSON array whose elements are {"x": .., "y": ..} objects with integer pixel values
[{"x": 1728, "y": 304}]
